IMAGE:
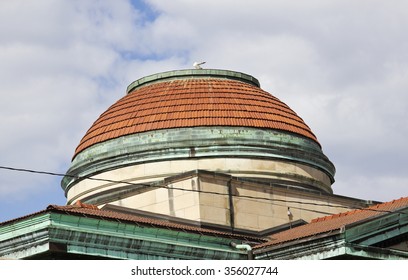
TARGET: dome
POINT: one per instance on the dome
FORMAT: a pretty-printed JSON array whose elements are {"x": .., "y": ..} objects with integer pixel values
[
  {"x": 191, "y": 117},
  {"x": 194, "y": 98}
]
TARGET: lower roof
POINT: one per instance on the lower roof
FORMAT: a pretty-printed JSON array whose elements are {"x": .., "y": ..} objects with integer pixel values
[
  {"x": 92, "y": 211},
  {"x": 336, "y": 222}
]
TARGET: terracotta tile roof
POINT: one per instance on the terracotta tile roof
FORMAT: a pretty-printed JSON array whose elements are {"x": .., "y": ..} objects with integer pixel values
[
  {"x": 193, "y": 102},
  {"x": 93, "y": 211},
  {"x": 334, "y": 222}
]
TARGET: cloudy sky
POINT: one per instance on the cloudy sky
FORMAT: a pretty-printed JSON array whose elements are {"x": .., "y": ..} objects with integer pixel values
[{"x": 341, "y": 65}]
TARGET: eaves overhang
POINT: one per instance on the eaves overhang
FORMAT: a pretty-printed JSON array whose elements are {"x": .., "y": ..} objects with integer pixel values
[
  {"x": 81, "y": 231},
  {"x": 195, "y": 143},
  {"x": 357, "y": 239}
]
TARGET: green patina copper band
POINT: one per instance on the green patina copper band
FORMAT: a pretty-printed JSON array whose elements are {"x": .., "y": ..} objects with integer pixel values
[
  {"x": 88, "y": 236},
  {"x": 200, "y": 73},
  {"x": 195, "y": 143}
]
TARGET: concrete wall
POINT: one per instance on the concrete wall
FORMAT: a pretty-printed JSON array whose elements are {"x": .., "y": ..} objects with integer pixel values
[
  {"x": 204, "y": 197},
  {"x": 240, "y": 167}
]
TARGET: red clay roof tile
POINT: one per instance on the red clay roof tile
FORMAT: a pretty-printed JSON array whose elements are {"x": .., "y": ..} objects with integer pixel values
[
  {"x": 334, "y": 222},
  {"x": 90, "y": 210},
  {"x": 193, "y": 102},
  {"x": 94, "y": 211}
]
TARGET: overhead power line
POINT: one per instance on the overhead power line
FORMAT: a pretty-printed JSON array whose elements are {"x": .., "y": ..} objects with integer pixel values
[{"x": 198, "y": 191}]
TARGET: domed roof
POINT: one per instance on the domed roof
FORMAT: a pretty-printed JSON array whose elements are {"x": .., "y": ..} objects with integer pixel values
[
  {"x": 199, "y": 119},
  {"x": 194, "y": 98}
]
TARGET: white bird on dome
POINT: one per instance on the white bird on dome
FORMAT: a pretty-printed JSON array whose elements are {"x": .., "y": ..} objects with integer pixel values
[{"x": 197, "y": 65}]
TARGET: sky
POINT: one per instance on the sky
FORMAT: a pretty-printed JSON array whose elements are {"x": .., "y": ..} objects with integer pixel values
[{"x": 341, "y": 65}]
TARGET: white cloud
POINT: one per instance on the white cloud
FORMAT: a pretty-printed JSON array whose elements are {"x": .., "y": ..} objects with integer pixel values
[
  {"x": 376, "y": 188},
  {"x": 342, "y": 65},
  {"x": 57, "y": 74}
]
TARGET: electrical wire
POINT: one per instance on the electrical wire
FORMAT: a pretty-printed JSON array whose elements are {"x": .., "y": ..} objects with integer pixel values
[{"x": 198, "y": 191}]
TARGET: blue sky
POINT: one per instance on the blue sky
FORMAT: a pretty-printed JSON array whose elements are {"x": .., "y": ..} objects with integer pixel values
[{"x": 341, "y": 65}]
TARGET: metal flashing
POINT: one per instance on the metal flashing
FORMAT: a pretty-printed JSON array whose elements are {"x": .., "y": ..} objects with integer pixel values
[
  {"x": 208, "y": 142},
  {"x": 193, "y": 73}
]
